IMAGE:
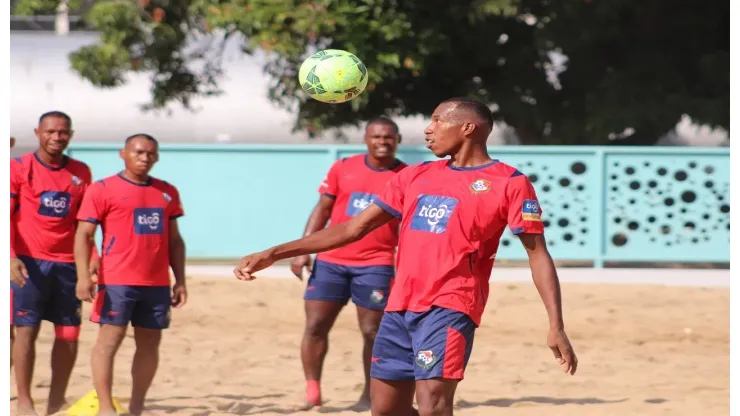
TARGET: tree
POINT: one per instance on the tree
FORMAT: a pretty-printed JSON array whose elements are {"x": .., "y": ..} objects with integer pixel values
[{"x": 638, "y": 64}]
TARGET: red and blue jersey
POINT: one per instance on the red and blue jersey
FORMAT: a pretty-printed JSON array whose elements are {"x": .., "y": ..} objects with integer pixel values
[
  {"x": 354, "y": 185},
  {"x": 451, "y": 222},
  {"x": 135, "y": 219},
  {"x": 44, "y": 201}
]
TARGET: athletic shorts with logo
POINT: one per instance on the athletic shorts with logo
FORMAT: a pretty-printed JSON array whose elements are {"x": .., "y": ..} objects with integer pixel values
[
  {"x": 367, "y": 286},
  {"x": 419, "y": 346},
  {"x": 48, "y": 295}
]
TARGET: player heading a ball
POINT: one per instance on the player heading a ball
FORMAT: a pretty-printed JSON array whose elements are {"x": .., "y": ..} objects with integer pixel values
[{"x": 333, "y": 76}]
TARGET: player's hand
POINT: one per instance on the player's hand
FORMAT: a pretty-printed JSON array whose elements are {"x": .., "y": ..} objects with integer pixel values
[
  {"x": 253, "y": 263},
  {"x": 179, "y": 295},
  {"x": 85, "y": 289},
  {"x": 18, "y": 272},
  {"x": 298, "y": 264},
  {"x": 562, "y": 350},
  {"x": 94, "y": 269}
]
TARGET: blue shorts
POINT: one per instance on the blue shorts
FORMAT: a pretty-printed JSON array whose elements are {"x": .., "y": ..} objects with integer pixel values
[
  {"x": 48, "y": 295},
  {"x": 368, "y": 286},
  {"x": 420, "y": 346},
  {"x": 142, "y": 306}
]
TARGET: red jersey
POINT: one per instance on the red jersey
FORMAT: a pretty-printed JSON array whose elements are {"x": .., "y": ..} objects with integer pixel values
[
  {"x": 354, "y": 185},
  {"x": 452, "y": 221},
  {"x": 135, "y": 220},
  {"x": 44, "y": 201}
]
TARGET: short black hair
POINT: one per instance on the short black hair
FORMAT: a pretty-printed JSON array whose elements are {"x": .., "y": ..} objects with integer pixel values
[
  {"x": 142, "y": 135},
  {"x": 383, "y": 121},
  {"x": 473, "y": 106},
  {"x": 55, "y": 114}
]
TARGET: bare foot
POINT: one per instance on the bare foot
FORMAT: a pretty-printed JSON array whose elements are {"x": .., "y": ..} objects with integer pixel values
[
  {"x": 135, "y": 409},
  {"x": 52, "y": 408},
  {"x": 26, "y": 410},
  {"x": 362, "y": 405},
  {"x": 307, "y": 405}
]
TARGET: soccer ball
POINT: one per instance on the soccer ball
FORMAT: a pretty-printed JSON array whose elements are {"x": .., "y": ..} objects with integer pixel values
[{"x": 333, "y": 76}]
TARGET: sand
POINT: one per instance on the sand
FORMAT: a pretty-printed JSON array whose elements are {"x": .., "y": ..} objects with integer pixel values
[{"x": 643, "y": 350}]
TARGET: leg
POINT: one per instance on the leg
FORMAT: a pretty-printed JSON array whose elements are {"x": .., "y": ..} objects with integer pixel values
[
  {"x": 24, "y": 354},
  {"x": 393, "y": 398},
  {"x": 12, "y": 340},
  {"x": 443, "y": 341},
  {"x": 64, "y": 311},
  {"x": 144, "y": 366},
  {"x": 28, "y": 304},
  {"x": 150, "y": 317},
  {"x": 112, "y": 309},
  {"x": 327, "y": 291},
  {"x": 436, "y": 396},
  {"x": 103, "y": 357},
  {"x": 370, "y": 289},
  {"x": 392, "y": 369}
]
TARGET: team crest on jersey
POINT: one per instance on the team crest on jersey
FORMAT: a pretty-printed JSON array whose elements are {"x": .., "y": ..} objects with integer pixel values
[
  {"x": 77, "y": 181},
  {"x": 480, "y": 186},
  {"x": 166, "y": 196},
  {"x": 425, "y": 359},
  {"x": 377, "y": 296}
]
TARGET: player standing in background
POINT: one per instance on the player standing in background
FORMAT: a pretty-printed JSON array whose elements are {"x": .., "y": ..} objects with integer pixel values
[
  {"x": 453, "y": 213},
  {"x": 362, "y": 270},
  {"x": 141, "y": 241},
  {"x": 46, "y": 189}
]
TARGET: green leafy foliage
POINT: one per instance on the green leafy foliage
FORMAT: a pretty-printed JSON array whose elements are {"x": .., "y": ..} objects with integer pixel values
[{"x": 637, "y": 64}]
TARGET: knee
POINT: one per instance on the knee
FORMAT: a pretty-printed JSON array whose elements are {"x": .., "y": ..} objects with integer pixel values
[
  {"x": 147, "y": 339},
  {"x": 381, "y": 406},
  {"x": 434, "y": 404},
  {"x": 369, "y": 330},
  {"x": 68, "y": 334},
  {"x": 316, "y": 328}
]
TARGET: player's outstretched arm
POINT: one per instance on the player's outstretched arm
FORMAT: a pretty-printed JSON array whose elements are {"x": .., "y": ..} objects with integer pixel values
[
  {"x": 316, "y": 221},
  {"x": 84, "y": 238},
  {"x": 548, "y": 285},
  {"x": 328, "y": 238}
]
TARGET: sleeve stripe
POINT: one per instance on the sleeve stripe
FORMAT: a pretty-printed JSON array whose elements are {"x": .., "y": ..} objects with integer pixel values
[
  {"x": 12, "y": 195},
  {"x": 530, "y": 230},
  {"x": 387, "y": 208},
  {"x": 174, "y": 217},
  {"x": 329, "y": 195},
  {"x": 515, "y": 174},
  {"x": 91, "y": 220}
]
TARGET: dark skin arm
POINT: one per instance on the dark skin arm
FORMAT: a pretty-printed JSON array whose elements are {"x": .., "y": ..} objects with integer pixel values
[
  {"x": 329, "y": 238},
  {"x": 84, "y": 238},
  {"x": 546, "y": 281},
  {"x": 177, "y": 262},
  {"x": 316, "y": 221}
]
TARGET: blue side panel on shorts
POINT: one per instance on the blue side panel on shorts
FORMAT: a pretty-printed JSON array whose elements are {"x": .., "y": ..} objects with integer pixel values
[{"x": 48, "y": 295}]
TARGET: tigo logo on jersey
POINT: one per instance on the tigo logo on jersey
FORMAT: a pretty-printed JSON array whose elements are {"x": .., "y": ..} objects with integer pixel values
[
  {"x": 357, "y": 203},
  {"x": 480, "y": 186},
  {"x": 432, "y": 213},
  {"x": 531, "y": 210},
  {"x": 54, "y": 204},
  {"x": 148, "y": 220}
]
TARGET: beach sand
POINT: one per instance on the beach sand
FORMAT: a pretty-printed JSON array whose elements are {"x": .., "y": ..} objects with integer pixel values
[{"x": 234, "y": 349}]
